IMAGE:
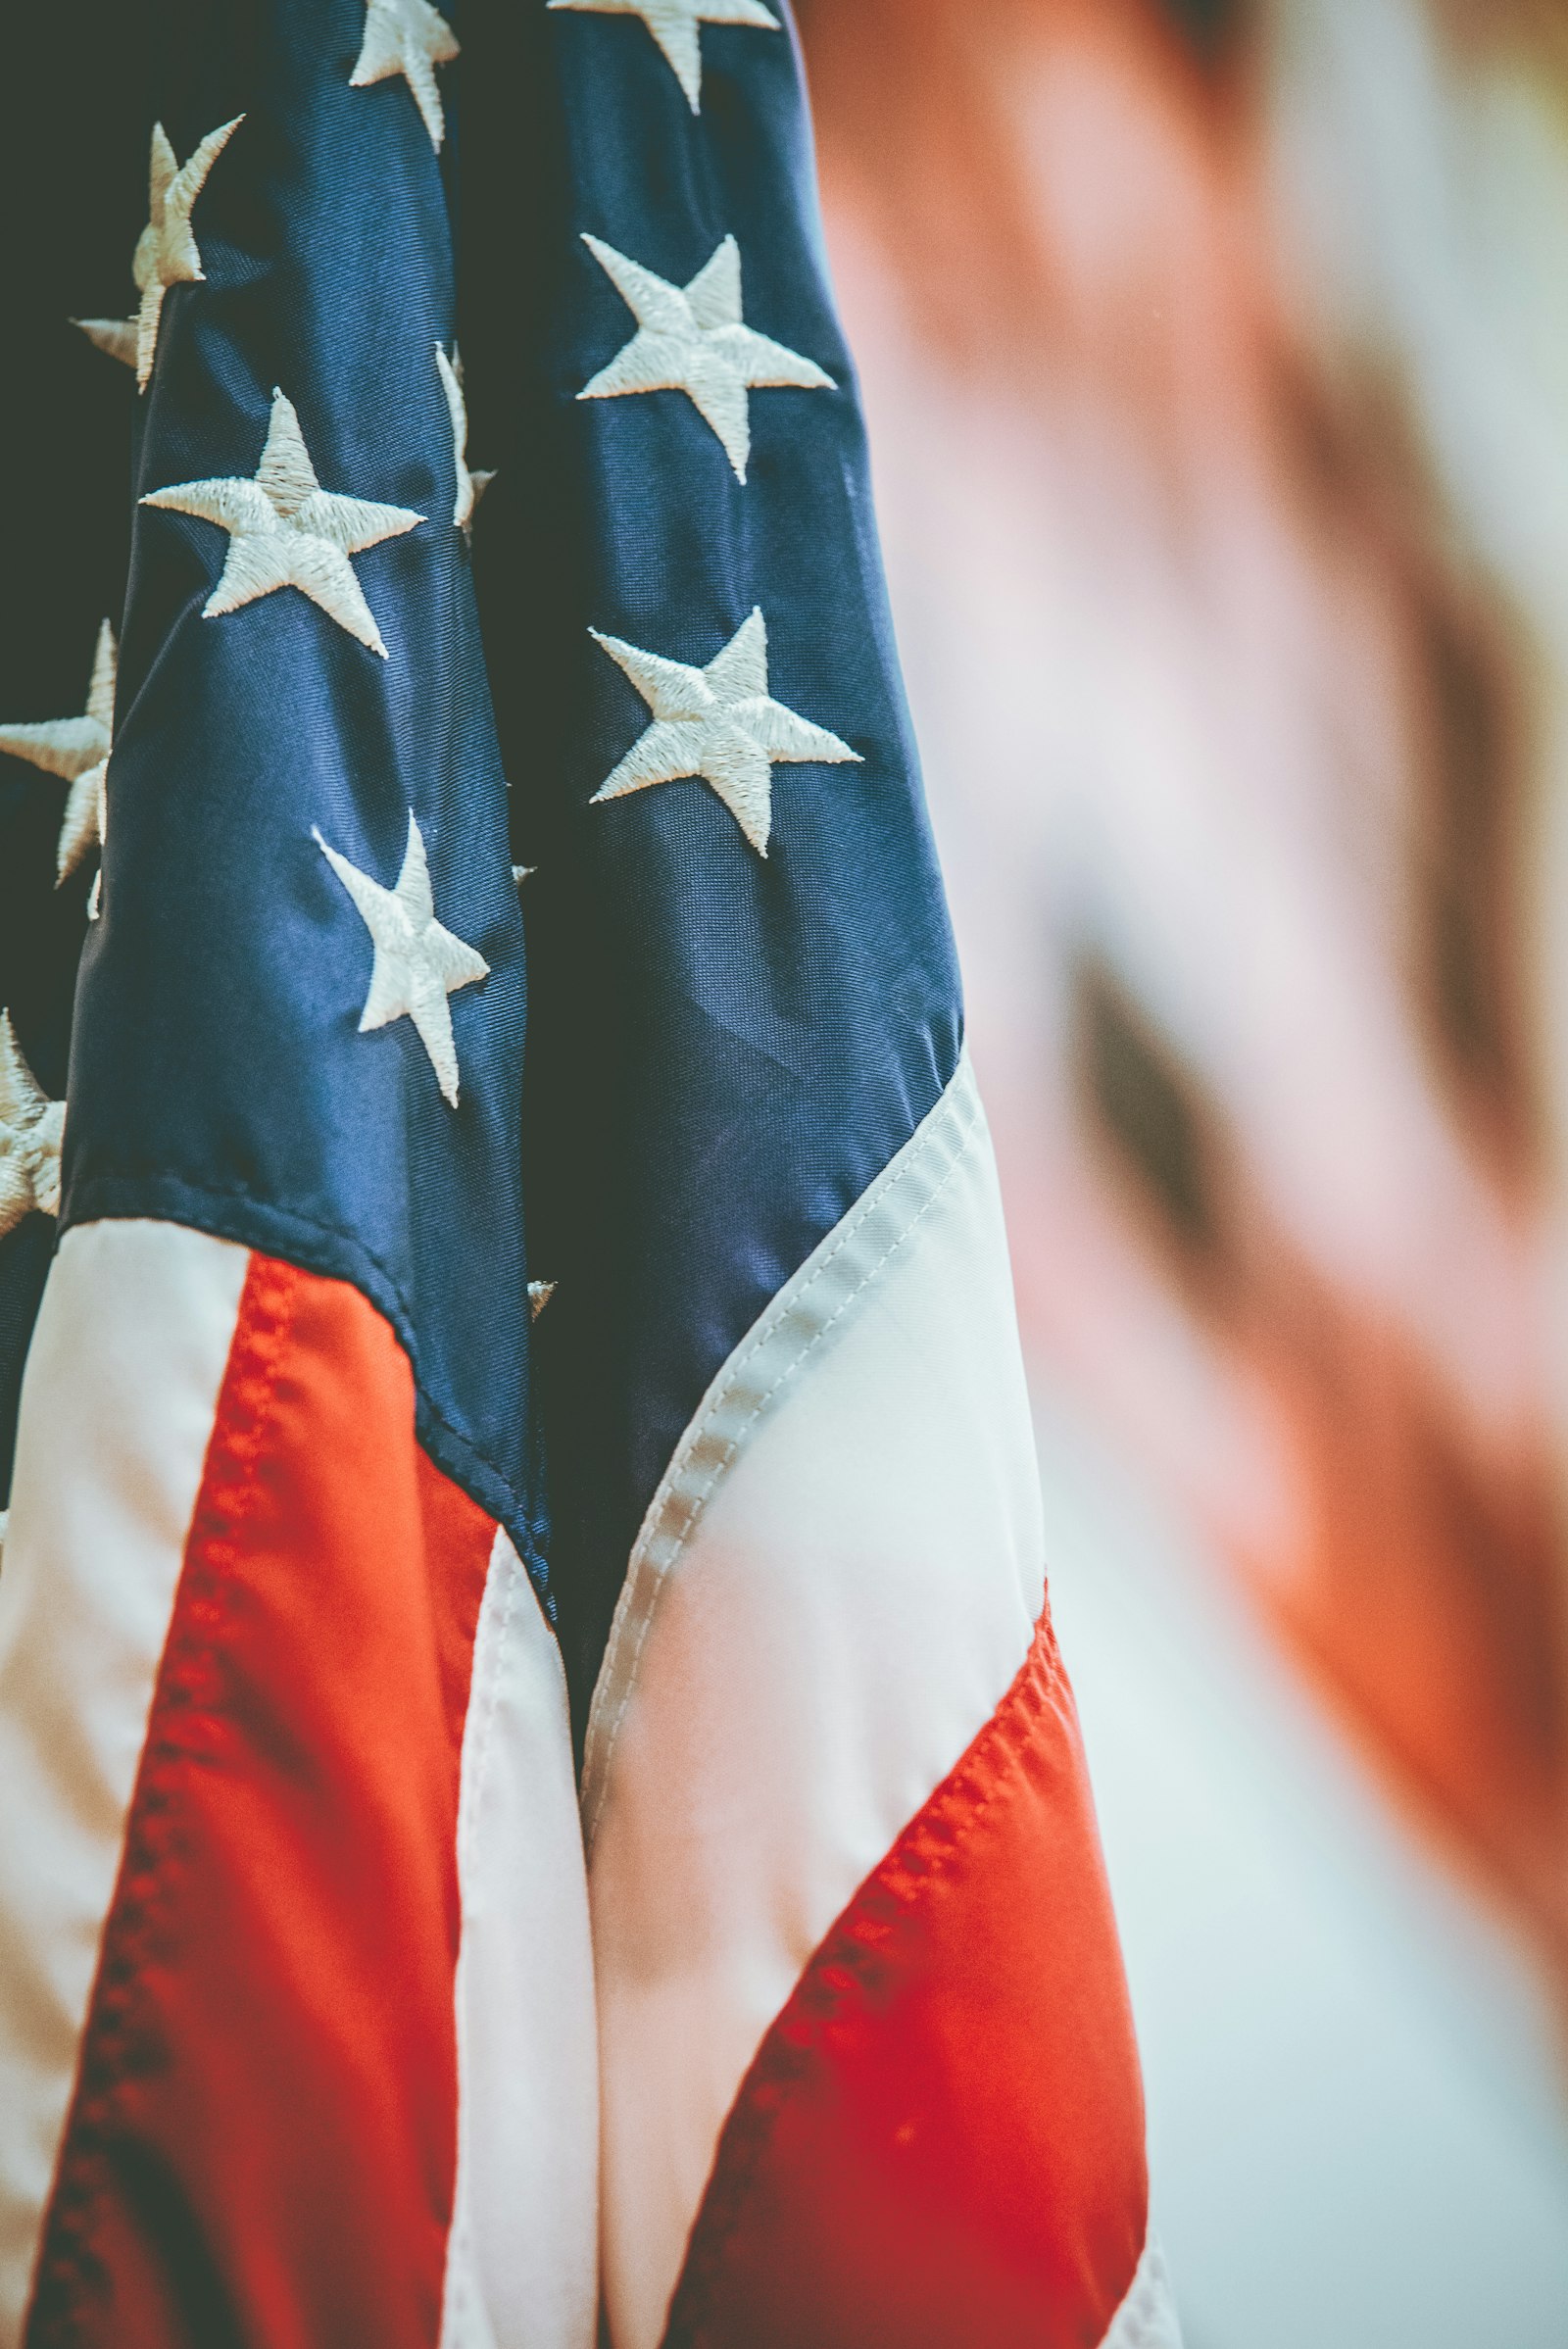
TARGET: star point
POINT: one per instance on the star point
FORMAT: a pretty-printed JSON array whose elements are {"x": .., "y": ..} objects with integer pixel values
[
  {"x": 676, "y": 25},
  {"x": 285, "y": 530},
  {"x": 167, "y": 252},
  {"x": 694, "y": 338},
  {"x": 471, "y": 483},
  {"x": 720, "y": 723},
  {"x": 417, "y": 962},
  {"x": 77, "y": 749},
  {"x": 539, "y": 1294},
  {"x": 117, "y": 338},
  {"x": 81, "y": 827},
  {"x": 32, "y": 1129},
  {"x": 412, "y": 38}
]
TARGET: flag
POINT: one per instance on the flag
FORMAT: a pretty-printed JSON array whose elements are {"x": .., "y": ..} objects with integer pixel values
[{"x": 541, "y": 1801}]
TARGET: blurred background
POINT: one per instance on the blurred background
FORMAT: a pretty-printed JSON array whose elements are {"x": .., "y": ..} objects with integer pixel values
[{"x": 1216, "y": 357}]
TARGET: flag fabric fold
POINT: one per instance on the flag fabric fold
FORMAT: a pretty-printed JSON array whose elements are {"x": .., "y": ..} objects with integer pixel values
[{"x": 541, "y": 1800}]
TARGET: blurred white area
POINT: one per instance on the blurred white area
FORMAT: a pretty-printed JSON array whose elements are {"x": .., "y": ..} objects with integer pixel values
[
  {"x": 1420, "y": 204},
  {"x": 1219, "y": 396},
  {"x": 1357, "y": 2133}
]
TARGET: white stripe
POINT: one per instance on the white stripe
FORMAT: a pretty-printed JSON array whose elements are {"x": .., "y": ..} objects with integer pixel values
[
  {"x": 522, "y": 2258},
  {"x": 831, "y": 1594},
  {"x": 117, "y": 1401},
  {"x": 1147, "y": 2318}
]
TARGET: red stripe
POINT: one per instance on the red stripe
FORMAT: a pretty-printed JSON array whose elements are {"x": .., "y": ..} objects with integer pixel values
[
  {"x": 940, "y": 2144},
  {"x": 262, "y": 2143}
]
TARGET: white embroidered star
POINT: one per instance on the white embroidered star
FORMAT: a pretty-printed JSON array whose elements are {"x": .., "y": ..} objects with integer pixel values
[
  {"x": 77, "y": 749},
  {"x": 412, "y": 38},
  {"x": 82, "y": 829},
  {"x": 471, "y": 486},
  {"x": 166, "y": 251},
  {"x": 417, "y": 964},
  {"x": 32, "y": 1126},
  {"x": 719, "y": 722},
  {"x": 117, "y": 338},
  {"x": 675, "y": 26},
  {"x": 694, "y": 339},
  {"x": 285, "y": 530}
]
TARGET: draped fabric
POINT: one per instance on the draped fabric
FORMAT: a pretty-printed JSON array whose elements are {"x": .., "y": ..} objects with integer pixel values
[{"x": 519, "y": 1310}]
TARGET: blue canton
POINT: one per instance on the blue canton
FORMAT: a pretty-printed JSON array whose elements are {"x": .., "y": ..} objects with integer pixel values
[{"x": 723, "y": 1047}]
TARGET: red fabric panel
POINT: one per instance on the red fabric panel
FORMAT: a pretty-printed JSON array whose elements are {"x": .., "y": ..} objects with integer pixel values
[
  {"x": 263, "y": 2139},
  {"x": 940, "y": 2144}
]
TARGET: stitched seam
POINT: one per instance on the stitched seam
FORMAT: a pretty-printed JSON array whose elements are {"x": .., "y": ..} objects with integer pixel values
[
  {"x": 848, "y": 1953},
  {"x": 186, "y": 1703},
  {"x": 238, "y": 1196},
  {"x": 704, "y": 1493},
  {"x": 785, "y": 1305},
  {"x": 112, "y": 1182},
  {"x": 491, "y": 1701},
  {"x": 782, "y": 1308}
]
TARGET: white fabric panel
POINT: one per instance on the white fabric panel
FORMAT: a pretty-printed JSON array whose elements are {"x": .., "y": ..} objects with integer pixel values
[
  {"x": 522, "y": 2261},
  {"x": 122, "y": 1385},
  {"x": 1146, "y": 2319},
  {"x": 831, "y": 1592}
]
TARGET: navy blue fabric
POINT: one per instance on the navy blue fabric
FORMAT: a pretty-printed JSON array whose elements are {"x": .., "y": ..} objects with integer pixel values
[
  {"x": 216, "y": 1074},
  {"x": 722, "y": 1050}
]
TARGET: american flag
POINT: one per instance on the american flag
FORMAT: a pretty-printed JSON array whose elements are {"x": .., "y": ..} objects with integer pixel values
[{"x": 538, "y": 1801}]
